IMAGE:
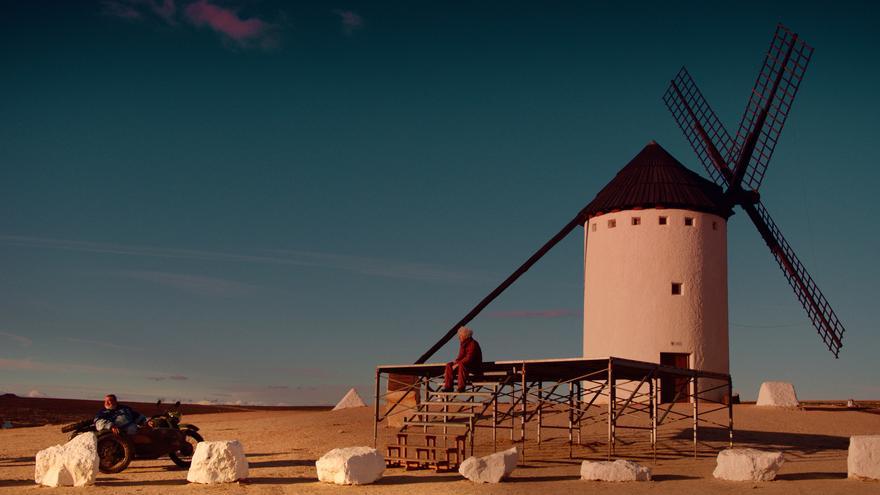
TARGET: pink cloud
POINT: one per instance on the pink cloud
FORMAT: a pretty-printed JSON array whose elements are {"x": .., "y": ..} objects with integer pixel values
[
  {"x": 547, "y": 313},
  {"x": 350, "y": 20},
  {"x": 225, "y": 21}
]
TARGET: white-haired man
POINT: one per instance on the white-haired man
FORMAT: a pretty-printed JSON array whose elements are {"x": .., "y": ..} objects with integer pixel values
[{"x": 469, "y": 361}]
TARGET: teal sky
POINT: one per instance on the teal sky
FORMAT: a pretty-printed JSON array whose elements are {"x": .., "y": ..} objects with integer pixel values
[{"x": 261, "y": 201}]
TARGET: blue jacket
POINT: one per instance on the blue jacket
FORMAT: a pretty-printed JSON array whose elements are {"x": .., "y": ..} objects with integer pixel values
[{"x": 122, "y": 417}]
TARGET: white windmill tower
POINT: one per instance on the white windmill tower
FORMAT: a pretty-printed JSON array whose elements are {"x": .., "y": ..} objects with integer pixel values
[{"x": 655, "y": 268}]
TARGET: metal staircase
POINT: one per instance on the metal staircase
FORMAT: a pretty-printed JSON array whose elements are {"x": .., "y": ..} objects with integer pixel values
[{"x": 440, "y": 433}]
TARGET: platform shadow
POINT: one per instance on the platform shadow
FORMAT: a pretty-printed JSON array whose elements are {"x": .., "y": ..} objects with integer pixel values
[
  {"x": 283, "y": 463},
  {"x": 116, "y": 482},
  {"x": 11, "y": 483},
  {"x": 277, "y": 480},
  {"x": 811, "y": 476},
  {"x": 806, "y": 443},
  {"x": 532, "y": 479},
  {"x": 672, "y": 477},
  {"x": 401, "y": 479}
]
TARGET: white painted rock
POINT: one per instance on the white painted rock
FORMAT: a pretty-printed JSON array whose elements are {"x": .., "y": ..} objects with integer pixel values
[
  {"x": 619, "y": 470},
  {"x": 351, "y": 399},
  {"x": 490, "y": 469},
  {"x": 218, "y": 462},
  {"x": 72, "y": 464},
  {"x": 748, "y": 465},
  {"x": 777, "y": 394},
  {"x": 351, "y": 466},
  {"x": 863, "y": 461}
]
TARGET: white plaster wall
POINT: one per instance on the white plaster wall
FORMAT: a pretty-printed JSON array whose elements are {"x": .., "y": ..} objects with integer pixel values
[{"x": 629, "y": 309}]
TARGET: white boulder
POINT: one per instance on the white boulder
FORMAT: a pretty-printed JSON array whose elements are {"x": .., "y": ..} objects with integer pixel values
[
  {"x": 72, "y": 464},
  {"x": 777, "y": 394},
  {"x": 748, "y": 465},
  {"x": 863, "y": 460},
  {"x": 619, "y": 470},
  {"x": 218, "y": 462},
  {"x": 351, "y": 466},
  {"x": 351, "y": 399},
  {"x": 490, "y": 469}
]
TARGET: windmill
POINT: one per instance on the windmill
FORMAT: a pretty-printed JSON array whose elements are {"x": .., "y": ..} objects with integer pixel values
[
  {"x": 656, "y": 205},
  {"x": 739, "y": 164}
]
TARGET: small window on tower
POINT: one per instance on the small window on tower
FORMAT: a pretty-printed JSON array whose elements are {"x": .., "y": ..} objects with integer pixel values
[
  {"x": 612, "y": 224},
  {"x": 593, "y": 227},
  {"x": 676, "y": 288},
  {"x": 689, "y": 221},
  {"x": 662, "y": 220},
  {"x": 636, "y": 221},
  {"x": 714, "y": 225}
]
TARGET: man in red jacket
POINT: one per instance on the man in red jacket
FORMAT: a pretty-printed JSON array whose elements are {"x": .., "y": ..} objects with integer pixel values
[{"x": 469, "y": 360}]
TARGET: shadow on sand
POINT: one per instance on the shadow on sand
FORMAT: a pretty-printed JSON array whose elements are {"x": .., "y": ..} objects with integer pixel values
[
  {"x": 282, "y": 463},
  {"x": 805, "y": 443}
]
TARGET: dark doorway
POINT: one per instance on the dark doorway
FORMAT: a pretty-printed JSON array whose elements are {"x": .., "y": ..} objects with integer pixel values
[{"x": 674, "y": 389}]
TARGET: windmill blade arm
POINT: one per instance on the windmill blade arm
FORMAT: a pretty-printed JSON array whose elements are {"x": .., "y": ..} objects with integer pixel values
[
  {"x": 811, "y": 298},
  {"x": 768, "y": 107},
  {"x": 562, "y": 234},
  {"x": 702, "y": 128}
]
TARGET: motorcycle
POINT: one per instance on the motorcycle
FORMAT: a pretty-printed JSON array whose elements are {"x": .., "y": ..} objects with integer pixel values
[{"x": 166, "y": 436}]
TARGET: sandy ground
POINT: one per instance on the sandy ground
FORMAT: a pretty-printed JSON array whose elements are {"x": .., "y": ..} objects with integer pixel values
[{"x": 282, "y": 447}]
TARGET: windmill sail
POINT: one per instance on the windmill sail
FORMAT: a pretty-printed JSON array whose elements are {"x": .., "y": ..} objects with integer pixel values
[{"x": 769, "y": 105}]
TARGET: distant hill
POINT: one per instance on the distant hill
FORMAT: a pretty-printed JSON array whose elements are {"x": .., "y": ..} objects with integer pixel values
[{"x": 39, "y": 411}]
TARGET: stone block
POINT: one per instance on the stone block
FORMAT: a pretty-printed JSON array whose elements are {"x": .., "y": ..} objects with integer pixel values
[
  {"x": 72, "y": 464},
  {"x": 748, "y": 465},
  {"x": 777, "y": 394},
  {"x": 218, "y": 462},
  {"x": 863, "y": 460},
  {"x": 351, "y": 466},
  {"x": 619, "y": 470},
  {"x": 491, "y": 468}
]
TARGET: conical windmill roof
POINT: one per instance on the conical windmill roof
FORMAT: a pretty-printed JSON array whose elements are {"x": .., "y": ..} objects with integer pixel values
[{"x": 655, "y": 179}]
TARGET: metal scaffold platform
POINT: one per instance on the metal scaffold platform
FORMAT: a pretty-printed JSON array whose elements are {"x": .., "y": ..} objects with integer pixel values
[{"x": 437, "y": 428}]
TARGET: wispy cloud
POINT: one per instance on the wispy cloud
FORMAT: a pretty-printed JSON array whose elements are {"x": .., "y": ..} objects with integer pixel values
[
  {"x": 177, "y": 378},
  {"x": 139, "y": 9},
  {"x": 193, "y": 284},
  {"x": 351, "y": 21},
  {"x": 101, "y": 343},
  {"x": 227, "y": 22},
  {"x": 396, "y": 269},
  {"x": 30, "y": 365},
  {"x": 547, "y": 313},
  {"x": 20, "y": 340}
]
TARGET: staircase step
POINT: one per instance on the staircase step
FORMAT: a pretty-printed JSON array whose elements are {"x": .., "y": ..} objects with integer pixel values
[
  {"x": 436, "y": 423},
  {"x": 461, "y": 394},
  {"x": 423, "y": 434},
  {"x": 447, "y": 414},
  {"x": 453, "y": 403},
  {"x": 443, "y": 448}
]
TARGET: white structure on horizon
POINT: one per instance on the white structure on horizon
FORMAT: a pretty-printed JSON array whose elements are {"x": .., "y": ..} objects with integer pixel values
[{"x": 655, "y": 269}]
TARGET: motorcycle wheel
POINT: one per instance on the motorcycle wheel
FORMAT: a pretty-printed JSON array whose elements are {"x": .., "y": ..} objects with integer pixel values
[
  {"x": 114, "y": 453},
  {"x": 185, "y": 459}
]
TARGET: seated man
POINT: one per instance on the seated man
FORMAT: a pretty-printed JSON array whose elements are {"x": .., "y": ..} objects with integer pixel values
[
  {"x": 469, "y": 360},
  {"x": 117, "y": 417}
]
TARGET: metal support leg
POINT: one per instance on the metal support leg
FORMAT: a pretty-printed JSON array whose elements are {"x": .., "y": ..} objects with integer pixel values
[
  {"x": 570, "y": 419},
  {"x": 611, "y": 408},
  {"x": 730, "y": 412},
  {"x": 540, "y": 410},
  {"x": 495, "y": 417},
  {"x": 525, "y": 401},
  {"x": 376, "y": 412},
  {"x": 652, "y": 410},
  {"x": 696, "y": 413},
  {"x": 580, "y": 404}
]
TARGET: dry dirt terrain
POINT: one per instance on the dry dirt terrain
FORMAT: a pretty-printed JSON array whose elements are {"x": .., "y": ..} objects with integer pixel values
[{"x": 282, "y": 447}]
